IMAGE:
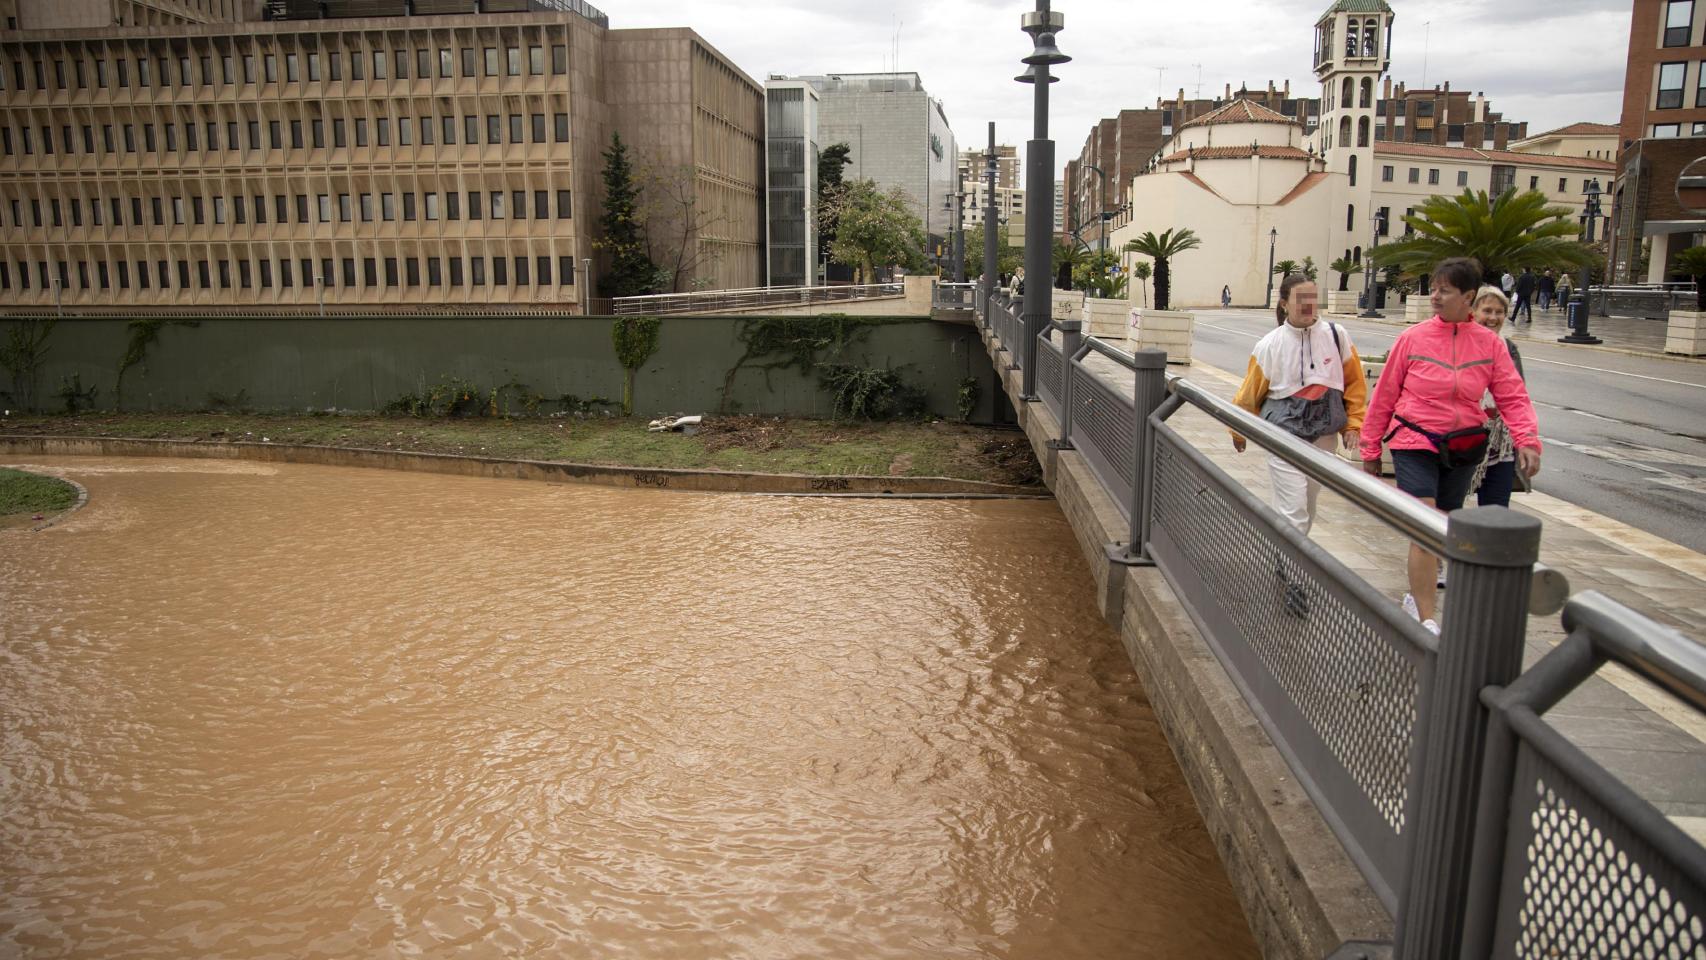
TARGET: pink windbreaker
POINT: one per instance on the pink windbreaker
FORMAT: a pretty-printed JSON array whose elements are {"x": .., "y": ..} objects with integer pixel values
[{"x": 1435, "y": 377}]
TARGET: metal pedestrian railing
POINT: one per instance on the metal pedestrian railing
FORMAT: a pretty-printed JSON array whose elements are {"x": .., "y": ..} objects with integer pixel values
[
  {"x": 952, "y": 296},
  {"x": 707, "y": 301},
  {"x": 1384, "y": 724}
]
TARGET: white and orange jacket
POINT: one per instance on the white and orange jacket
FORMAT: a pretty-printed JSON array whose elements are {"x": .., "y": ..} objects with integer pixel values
[{"x": 1292, "y": 360}]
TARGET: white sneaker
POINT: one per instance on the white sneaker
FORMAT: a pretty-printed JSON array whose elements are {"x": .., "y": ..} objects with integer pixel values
[
  {"x": 1440, "y": 583},
  {"x": 1410, "y": 607},
  {"x": 1431, "y": 627}
]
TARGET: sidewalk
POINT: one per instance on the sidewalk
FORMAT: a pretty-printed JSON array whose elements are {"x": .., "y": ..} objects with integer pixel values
[
  {"x": 1652, "y": 741},
  {"x": 1621, "y": 334}
]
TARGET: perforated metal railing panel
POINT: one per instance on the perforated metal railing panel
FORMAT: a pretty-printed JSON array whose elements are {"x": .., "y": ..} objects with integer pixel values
[
  {"x": 1104, "y": 430},
  {"x": 1335, "y": 671},
  {"x": 1579, "y": 882},
  {"x": 1051, "y": 375}
]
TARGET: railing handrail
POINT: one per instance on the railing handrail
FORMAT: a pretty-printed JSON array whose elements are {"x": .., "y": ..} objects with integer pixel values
[
  {"x": 1405, "y": 514},
  {"x": 1661, "y": 654}
]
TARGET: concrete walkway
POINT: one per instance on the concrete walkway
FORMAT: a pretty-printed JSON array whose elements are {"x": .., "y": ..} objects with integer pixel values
[
  {"x": 1621, "y": 334},
  {"x": 1640, "y": 733}
]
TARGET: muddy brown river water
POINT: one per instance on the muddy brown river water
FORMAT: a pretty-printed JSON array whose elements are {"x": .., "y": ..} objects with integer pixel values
[{"x": 255, "y": 710}]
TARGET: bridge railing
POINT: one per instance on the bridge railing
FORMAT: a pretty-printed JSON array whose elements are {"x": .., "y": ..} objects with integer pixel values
[
  {"x": 706, "y": 301},
  {"x": 952, "y": 296},
  {"x": 1480, "y": 829}
]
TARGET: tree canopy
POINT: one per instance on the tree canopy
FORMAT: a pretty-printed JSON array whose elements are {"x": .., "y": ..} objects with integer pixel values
[
  {"x": 873, "y": 228},
  {"x": 632, "y": 272},
  {"x": 1162, "y": 249},
  {"x": 1008, "y": 258},
  {"x": 1506, "y": 233}
]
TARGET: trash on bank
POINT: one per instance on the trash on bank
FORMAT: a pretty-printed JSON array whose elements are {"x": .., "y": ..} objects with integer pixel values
[{"x": 687, "y": 425}]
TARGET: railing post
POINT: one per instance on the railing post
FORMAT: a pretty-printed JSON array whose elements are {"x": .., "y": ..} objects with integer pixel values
[
  {"x": 1071, "y": 341},
  {"x": 1490, "y": 554},
  {"x": 1150, "y": 373}
]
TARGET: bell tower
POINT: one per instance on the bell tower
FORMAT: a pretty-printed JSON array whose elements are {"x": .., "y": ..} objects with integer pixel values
[{"x": 1353, "y": 41}]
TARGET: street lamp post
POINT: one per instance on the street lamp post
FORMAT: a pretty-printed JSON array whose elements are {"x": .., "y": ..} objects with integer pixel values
[
  {"x": 1368, "y": 271},
  {"x": 1577, "y": 310},
  {"x": 1273, "y": 239},
  {"x": 960, "y": 235},
  {"x": 1042, "y": 26},
  {"x": 991, "y": 246}
]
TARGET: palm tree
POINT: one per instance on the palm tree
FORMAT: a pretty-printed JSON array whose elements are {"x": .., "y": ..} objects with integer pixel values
[
  {"x": 1162, "y": 249},
  {"x": 1142, "y": 271},
  {"x": 1309, "y": 269},
  {"x": 1513, "y": 231},
  {"x": 1067, "y": 257},
  {"x": 1693, "y": 263},
  {"x": 1345, "y": 267},
  {"x": 1285, "y": 268}
]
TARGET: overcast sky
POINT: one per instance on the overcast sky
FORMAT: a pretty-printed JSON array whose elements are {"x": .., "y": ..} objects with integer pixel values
[{"x": 1549, "y": 62}]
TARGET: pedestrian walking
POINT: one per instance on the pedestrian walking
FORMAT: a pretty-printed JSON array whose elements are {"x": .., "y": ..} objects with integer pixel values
[
  {"x": 1507, "y": 283},
  {"x": 1548, "y": 290},
  {"x": 1524, "y": 296},
  {"x": 1565, "y": 288},
  {"x": 1497, "y": 474},
  {"x": 1427, "y": 409},
  {"x": 1225, "y": 297},
  {"x": 1305, "y": 377}
]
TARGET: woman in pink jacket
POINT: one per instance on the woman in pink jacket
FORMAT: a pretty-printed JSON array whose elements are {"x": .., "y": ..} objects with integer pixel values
[{"x": 1427, "y": 408}]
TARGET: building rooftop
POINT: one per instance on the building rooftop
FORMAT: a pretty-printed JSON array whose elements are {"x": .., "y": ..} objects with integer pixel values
[
  {"x": 1583, "y": 129},
  {"x": 1240, "y": 111},
  {"x": 1358, "y": 6},
  {"x": 1239, "y": 153},
  {"x": 1393, "y": 148}
]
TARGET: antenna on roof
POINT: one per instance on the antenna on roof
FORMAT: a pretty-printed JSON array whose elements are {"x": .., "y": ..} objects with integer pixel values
[
  {"x": 1426, "y": 25},
  {"x": 1199, "y": 80}
]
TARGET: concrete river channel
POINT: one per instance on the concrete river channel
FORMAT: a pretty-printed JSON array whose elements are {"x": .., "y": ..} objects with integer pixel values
[{"x": 253, "y": 710}]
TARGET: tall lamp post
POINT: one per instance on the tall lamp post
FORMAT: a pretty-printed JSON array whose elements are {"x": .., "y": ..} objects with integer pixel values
[
  {"x": 1577, "y": 310},
  {"x": 1042, "y": 26},
  {"x": 1368, "y": 270},
  {"x": 991, "y": 246},
  {"x": 1273, "y": 239}
]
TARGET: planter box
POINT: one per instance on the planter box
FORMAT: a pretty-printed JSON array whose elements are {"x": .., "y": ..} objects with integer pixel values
[
  {"x": 1342, "y": 301},
  {"x": 1168, "y": 330},
  {"x": 1067, "y": 305},
  {"x": 1418, "y": 308},
  {"x": 1685, "y": 333},
  {"x": 1370, "y": 371},
  {"x": 1105, "y": 319}
]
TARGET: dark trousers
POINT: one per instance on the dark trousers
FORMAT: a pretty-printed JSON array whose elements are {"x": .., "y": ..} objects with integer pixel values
[{"x": 1522, "y": 306}]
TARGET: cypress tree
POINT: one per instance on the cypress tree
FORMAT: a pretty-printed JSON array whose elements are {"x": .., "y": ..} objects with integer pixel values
[{"x": 632, "y": 271}]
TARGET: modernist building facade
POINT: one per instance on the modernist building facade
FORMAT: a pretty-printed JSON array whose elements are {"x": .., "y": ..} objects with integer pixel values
[
  {"x": 898, "y": 135},
  {"x": 1662, "y": 135},
  {"x": 1250, "y": 180},
  {"x": 791, "y": 147},
  {"x": 382, "y": 162}
]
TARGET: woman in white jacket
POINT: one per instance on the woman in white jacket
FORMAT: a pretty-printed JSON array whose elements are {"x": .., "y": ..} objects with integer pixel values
[{"x": 1305, "y": 377}]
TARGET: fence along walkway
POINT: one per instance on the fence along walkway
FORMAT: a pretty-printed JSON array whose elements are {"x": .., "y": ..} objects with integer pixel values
[{"x": 1383, "y": 724}]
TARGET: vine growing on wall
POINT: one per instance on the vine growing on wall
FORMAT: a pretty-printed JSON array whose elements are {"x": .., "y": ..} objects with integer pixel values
[
  {"x": 636, "y": 339},
  {"x": 144, "y": 333},
  {"x": 800, "y": 343},
  {"x": 22, "y": 354}
]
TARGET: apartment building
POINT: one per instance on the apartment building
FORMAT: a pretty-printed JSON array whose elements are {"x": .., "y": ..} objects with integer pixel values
[
  {"x": 389, "y": 162},
  {"x": 1661, "y": 136}
]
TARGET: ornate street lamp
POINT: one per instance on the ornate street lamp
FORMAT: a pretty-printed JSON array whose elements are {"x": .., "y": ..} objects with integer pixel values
[
  {"x": 1042, "y": 25},
  {"x": 1273, "y": 238},
  {"x": 1577, "y": 310},
  {"x": 1368, "y": 270}
]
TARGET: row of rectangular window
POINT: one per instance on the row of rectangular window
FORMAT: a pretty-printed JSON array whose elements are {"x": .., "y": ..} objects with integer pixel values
[
  {"x": 1386, "y": 173},
  {"x": 397, "y": 271},
  {"x": 1672, "y": 76},
  {"x": 520, "y": 128},
  {"x": 504, "y": 61},
  {"x": 494, "y": 204}
]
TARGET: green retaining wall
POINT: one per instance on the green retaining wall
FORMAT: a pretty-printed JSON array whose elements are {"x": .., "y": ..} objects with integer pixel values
[{"x": 365, "y": 363}]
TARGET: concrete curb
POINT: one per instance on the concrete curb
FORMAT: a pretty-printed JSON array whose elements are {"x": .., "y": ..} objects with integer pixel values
[
  {"x": 82, "y": 501},
  {"x": 702, "y": 481},
  {"x": 1302, "y": 895}
]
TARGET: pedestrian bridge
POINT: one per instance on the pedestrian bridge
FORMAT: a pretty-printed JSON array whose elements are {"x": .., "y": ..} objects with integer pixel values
[
  {"x": 907, "y": 297},
  {"x": 1373, "y": 790}
]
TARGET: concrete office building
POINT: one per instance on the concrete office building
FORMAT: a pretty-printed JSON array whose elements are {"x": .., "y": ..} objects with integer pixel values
[
  {"x": 1662, "y": 135},
  {"x": 790, "y": 146},
  {"x": 899, "y": 137},
  {"x": 228, "y": 159},
  {"x": 973, "y": 166}
]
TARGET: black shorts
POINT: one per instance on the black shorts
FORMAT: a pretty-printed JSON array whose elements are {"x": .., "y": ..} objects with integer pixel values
[{"x": 1420, "y": 475}]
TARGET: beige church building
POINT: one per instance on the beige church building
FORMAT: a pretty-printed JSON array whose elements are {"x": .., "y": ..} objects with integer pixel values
[{"x": 1255, "y": 187}]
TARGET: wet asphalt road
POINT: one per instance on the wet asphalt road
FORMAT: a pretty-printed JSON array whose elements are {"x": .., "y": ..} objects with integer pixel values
[{"x": 1624, "y": 436}]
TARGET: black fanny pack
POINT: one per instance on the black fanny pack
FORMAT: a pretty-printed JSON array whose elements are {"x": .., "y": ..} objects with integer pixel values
[{"x": 1450, "y": 457}]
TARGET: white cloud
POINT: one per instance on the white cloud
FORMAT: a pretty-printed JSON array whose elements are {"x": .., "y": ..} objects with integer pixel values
[{"x": 1549, "y": 62}]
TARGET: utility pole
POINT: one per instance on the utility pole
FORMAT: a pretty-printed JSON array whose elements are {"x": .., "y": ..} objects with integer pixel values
[
  {"x": 1042, "y": 26},
  {"x": 991, "y": 245}
]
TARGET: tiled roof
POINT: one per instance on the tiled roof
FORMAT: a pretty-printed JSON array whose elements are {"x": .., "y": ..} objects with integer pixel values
[
  {"x": 1584, "y": 129},
  {"x": 1303, "y": 186},
  {"x": 1239, "y": 111},
  {"x": 1237, "y": 153},
  {"x": 1359, "y": 6},
  {"x": 1392, "y": 148}
]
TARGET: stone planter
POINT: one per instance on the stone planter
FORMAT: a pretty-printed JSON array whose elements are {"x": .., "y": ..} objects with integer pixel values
[
  {"x": 1168, "y": 330},
  {"x": 1685, "y": 333},
  {"x": 1105, "y": 319},
  {"x": 1418, "y": 308},
  {"x": 1342, "y": 302},
  {"x": 1067, "y": 305},
  {"x": 1371, "y": 367}
]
